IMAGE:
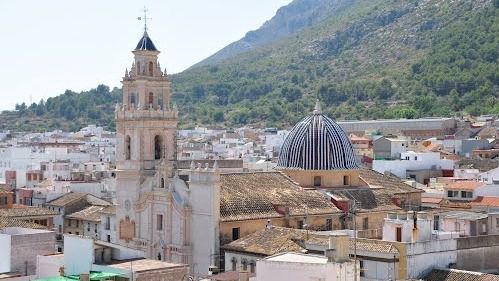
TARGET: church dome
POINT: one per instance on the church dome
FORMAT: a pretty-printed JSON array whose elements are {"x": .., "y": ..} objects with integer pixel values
[{"x": 317, "y": 143}]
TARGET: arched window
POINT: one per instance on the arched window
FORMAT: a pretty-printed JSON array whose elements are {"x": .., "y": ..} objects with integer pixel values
[
  {"x": 128, "y": 147},
  {"x": 234, "y": 263},
  {"x": 252, "y": 266},
  {"x": 158, "y": 147},
  {"x": 138, "y": 68},
  {"x": 151, "y": 66},
  {"x": 151, "y": 98},
  {"x": 244, "y": 262},
  {"x": 132, "y": 99},
  {"x": 162, "y": 183},
  {"x": 159, "y": 256}
]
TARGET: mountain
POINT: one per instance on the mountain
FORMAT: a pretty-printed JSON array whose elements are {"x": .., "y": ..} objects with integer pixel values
[
  {"x": 364, "y": 59},
  {"x": 288, "y": 20}
]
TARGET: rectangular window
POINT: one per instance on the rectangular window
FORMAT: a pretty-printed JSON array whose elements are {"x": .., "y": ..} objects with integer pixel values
[
  {"x": 108, "y": 238},
  {"x": 159, "y": 222},
  {"x": 69, "y": 222},
  {"x": 235, "y": 233},
  {"x": 346, "y": 180},
  {"x": 300, "y": 224},
  {"x": 398, "y": 234},
  {"x": 365, "y": 223},
  {"x": 108, "y": 223},
  {"x": 361, "y": 265},
  {"x": 317, "y": 181},
  {"x": 436, "y": 223},
  {"x": 497, "y": 222},
  {"x": 329, "y": 224}
]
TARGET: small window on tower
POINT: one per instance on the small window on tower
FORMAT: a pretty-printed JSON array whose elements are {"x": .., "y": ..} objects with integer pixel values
[
  {"x": 158, "y": 147},
  {"x": 159, "y": 222},
  {"x": 346, "y": 180},
  {"x": 151, "y": 67},
  {"x": 317, "y": 180},
  {"x": 162, "y": 184},
  {"x": 128, "y": 147},
  {"x": 138, "y": 68},
  {"x": 151, "y": 98}
]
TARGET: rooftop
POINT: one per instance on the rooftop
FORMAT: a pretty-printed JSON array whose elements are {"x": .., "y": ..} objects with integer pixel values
[
  {"x": 468, "y": 185},
  {"x": 10, "y": 222},
  {"x": 142, "y": 265},
  {"x": 91, "y": 213},
  {"x": 27, "y": 212},
  {"x": 297, "y": 258},
  {"x": 260, "y": 195},
  {"x": 458, "y": 275},
  {"x": 463, "y": 215},
  {"x": 74, "y": 197},
  {"x": 269, "y": 241}
]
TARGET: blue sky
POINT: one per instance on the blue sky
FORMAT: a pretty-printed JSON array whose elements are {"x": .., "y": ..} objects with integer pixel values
[{"x": 49, "y": 46}]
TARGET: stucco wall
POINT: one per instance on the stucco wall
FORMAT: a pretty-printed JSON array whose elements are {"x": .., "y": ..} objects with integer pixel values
[
  {"x": 328, "y": 178},
  {"x": 27, "y": 246}
]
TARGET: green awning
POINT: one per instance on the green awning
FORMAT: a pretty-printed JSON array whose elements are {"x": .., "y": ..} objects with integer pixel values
[{"x": 94, "y": 276}]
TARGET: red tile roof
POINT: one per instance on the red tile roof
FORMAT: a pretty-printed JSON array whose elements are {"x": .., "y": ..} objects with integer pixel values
[
  {"x": 486, "y": 201},
  {"x": 468, "y": 185}
]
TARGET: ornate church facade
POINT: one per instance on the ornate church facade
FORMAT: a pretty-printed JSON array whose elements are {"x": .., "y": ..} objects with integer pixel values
[{"x": 146, "y": 128}]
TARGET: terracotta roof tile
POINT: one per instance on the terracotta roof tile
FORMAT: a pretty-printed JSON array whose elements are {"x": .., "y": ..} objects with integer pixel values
[
  {"x": 368, "y": 199},
  {"x": 256, "y": 195},
  {"x": 486, "y": 201},
  {"x": 73, "y": 197},
  {"x": 393, "y": 184},
  {"x": 27, "y": 212},
  {"x": 458, "y": 275},
  {"x": 67, "y": 199},
  {"x": 91, "y": 213},
  {"x": 10, "y": 222},
  {"x": 468, "y": 185},
  {"x": 269, "y": 241}
]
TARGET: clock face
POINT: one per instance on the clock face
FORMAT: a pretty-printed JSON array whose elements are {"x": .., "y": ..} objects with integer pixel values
[{"x": 127, "y": 205}]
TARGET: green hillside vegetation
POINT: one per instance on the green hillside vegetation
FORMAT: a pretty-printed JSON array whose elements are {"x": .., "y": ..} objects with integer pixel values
[
  {"x": 370, "y": 59},
  {"x": 70, "y": 111}
]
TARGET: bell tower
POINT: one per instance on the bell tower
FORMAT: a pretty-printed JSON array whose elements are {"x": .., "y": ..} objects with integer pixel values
[{"x": 146, "y": 126}]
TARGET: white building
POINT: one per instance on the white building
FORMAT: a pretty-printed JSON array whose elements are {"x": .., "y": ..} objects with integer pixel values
[
  {"x": 336, "y": 266},
  {"x": 411, "y": 162}
]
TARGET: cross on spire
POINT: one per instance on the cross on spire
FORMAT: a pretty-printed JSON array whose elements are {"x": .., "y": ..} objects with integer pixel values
[{"x": 144, "y": 18}]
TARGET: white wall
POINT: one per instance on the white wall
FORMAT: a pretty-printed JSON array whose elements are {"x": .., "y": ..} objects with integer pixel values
[
  {"x": 424, "y": 256},
  {"x": 5, "y": 252},
  {"x": 298, "y": 271},
  {"x": 78, "y": 254},
  {"x": 47, "y": 266},
  {"x": 204, "y": 232},
  {"x": 424, "y": 161}
]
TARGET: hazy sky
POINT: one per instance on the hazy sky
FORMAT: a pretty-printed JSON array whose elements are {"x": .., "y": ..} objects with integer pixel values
[{"x": 49, "y": 46}]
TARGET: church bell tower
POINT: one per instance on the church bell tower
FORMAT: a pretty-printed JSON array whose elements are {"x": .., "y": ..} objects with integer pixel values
[{"x": 146, "y": 125}]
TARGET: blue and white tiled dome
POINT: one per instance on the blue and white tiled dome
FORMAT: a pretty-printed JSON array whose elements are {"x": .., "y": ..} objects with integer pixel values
[{"x": 317, "y": 143}]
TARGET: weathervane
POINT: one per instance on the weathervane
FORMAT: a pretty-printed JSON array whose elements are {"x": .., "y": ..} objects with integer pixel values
[{"x": 145, "y": 18}]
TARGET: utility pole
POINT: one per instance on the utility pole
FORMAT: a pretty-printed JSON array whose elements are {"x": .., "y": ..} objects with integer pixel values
[{"x": 352, "y": 210}]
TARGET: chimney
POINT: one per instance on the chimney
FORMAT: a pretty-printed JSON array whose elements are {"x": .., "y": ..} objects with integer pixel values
[
  {"x": 269, "y": 224},
  {"x": 244, "y": 275},
  {"x": 338, "y": 249},
  {"x": 84, "y": 277}
]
